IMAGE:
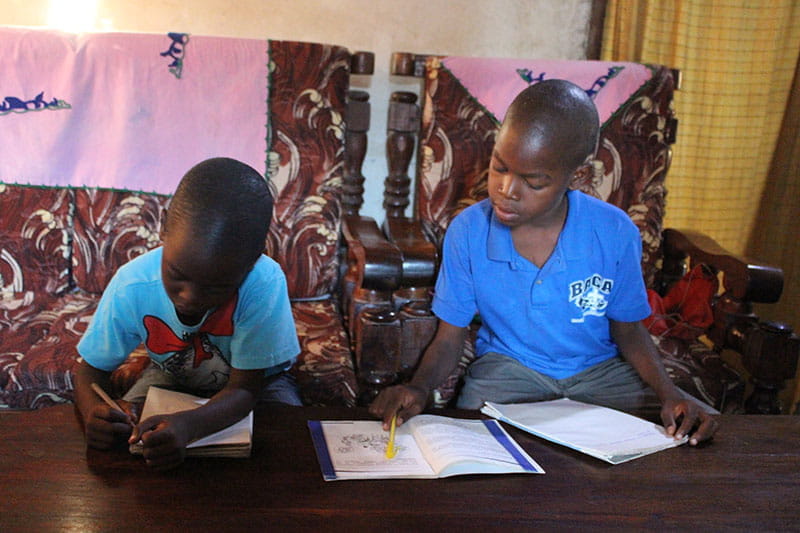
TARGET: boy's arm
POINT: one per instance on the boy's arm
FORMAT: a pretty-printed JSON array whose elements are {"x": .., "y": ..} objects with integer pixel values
[
  {"x": 438, "y": 361},
  {"x": 637, "y": 348},
  {"x": 164, "y": 437},
  {"x": 103, "y": 425}
]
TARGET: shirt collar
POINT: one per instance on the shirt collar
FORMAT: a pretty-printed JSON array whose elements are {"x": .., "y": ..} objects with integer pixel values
[{"x": 500, "y": 246}]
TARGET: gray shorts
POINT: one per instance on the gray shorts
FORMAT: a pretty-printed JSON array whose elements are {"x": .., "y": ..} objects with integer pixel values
[
  {"x": 280, "y": 387},
  {"x": 613, "y": 383}
]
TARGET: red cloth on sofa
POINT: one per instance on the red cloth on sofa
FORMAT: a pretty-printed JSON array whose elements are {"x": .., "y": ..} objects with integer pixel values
[{"x": 685, "y": 311}]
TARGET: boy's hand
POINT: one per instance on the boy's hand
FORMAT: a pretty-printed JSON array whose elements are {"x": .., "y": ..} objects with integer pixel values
[
  {"x": 403, "y": 400},
  {"x": 106, "y": 426},
  {"x": 164, "y": 439},
  {"x": 682, "y": 415}
]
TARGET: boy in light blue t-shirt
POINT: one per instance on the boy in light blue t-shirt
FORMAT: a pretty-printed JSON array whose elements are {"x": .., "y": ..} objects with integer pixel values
[
  {"x": 212, "y": 311},
  {"x": 556, "y": 279}
]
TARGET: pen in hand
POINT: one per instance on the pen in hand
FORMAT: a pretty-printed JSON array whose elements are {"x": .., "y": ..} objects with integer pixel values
[
  {"x": 106, "y": 398},
  {"x": 391, "y": 449}
]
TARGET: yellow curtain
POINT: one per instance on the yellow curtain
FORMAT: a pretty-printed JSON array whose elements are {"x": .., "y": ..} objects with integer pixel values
[
  {"x": 735, "y": 171},
  {"x": 738, "y": 60}
]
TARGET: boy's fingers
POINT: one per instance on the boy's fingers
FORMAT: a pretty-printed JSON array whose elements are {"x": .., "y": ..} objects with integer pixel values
[
  {"x": 706, "y": 430},
  {"x": 121, "y": 428},
  {"x": 668, "y": 419},
  {"x": 119, "y": 416},
  {"x": 406, "y": 413},
  {"x": 688, "y": 421},
  {"x": 141, "y": 428}
]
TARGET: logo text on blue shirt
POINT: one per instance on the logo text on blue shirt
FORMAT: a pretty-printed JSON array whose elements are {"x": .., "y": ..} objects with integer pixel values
[{"x": 590, "y": 295}]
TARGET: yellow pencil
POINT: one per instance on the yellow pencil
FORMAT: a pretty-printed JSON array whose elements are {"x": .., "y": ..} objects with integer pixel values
[
  {"x": 391, "y": 449},
  {"x": 106, "y": 398}
]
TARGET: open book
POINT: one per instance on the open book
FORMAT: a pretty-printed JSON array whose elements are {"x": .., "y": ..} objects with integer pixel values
[
  {"x": 233, "y": 441},
  {"x": 428, "y": 446},
  {"x": 601, "y": 432}
]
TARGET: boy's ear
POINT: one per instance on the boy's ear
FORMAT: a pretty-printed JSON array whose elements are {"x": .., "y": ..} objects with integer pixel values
[
  {"x": 162, "y": 231},
  {"x": 583, "y": 176}
]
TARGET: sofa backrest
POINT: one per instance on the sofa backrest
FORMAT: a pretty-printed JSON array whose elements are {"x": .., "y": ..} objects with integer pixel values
[
  {"x": 34, "y": 242},
  {"x": 308, "y": 87},
  {"x": 109, "y": 229},
  {"x": 120, "y": 117},
  {"x": 465, "y": 100}
]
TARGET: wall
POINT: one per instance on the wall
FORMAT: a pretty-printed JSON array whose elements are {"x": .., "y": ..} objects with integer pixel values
[{"x": 500, "y": 28}]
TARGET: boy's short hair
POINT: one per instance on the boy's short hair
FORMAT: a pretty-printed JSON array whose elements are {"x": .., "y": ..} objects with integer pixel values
[
  {"x": 563, "y": 113},
  {"x": 228, "y": 205}
]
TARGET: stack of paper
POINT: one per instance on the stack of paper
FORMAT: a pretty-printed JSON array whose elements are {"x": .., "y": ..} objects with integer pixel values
[
  {"x": 234, "y": 441},
  {"x": 604, "y": 433}
]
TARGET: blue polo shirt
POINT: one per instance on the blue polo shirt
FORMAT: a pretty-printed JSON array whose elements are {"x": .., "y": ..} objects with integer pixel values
[{"x": 553, "y": 319}]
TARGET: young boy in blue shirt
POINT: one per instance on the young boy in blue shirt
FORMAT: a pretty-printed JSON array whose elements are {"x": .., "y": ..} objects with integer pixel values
[
  {"x": 555, "y": 276},
  {"x": 211, "y": 309}
]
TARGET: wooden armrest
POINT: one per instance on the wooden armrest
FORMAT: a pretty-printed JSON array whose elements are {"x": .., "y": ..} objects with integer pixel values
[
  {"x": 744, "y": 278},
  {"x": 419, "y": 255},
  {"x": 376, "y": 262}
]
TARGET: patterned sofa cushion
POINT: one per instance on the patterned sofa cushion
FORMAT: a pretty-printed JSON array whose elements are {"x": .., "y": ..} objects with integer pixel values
[
  {"x": 305, "y": 162},
  {"x": 324, "y": 369},
  {"x": 38, "y": 352},
  {"x": 111, "y": 228},
  {"x": 34, "y": 241}
]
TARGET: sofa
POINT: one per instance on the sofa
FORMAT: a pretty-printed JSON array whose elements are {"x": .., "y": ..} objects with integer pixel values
[{"x": 67, "y": 222}]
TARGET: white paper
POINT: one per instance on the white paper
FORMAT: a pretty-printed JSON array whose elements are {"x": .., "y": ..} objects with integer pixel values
[{"x": 605, "y": 433}]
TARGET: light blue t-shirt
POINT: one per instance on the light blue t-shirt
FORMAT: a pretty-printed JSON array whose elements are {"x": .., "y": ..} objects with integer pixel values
[
  {"x": 554, "y": 320},
  {"x": 253, "y": 330}
]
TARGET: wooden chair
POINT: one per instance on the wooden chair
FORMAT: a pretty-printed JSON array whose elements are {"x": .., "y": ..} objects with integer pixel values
[{"x": 456, "y": 136}]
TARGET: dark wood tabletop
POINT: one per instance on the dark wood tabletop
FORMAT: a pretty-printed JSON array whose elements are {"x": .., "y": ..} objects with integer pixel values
[{"x": 747, "y": 478}]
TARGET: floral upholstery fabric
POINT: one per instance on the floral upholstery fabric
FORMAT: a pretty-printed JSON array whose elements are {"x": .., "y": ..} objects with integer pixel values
[
  {"x": 60, "y": 246},
  {"x": 111, "y": 228},
  {"x": 456, "y": 141},
  {"x": 305, "y": 163},
  {"x": 324, "y": 371},
  {"x": 34, "y": 241}
]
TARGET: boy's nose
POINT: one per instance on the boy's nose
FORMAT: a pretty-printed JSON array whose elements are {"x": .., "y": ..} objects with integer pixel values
[
  {"x": 508, "y": 186},
  {"x": 189, "y": 294}
]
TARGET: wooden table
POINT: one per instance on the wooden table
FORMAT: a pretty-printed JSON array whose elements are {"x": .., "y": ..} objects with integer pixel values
[{"x": 748, "y": 478}]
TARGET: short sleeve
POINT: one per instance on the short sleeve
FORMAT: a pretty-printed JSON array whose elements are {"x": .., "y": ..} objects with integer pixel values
[
  {"x": 265, "y": 330},
  {"x": 454, "y": 297},
  {"x": 629, "y": 300},
  {"x": 112, "y": 333}
]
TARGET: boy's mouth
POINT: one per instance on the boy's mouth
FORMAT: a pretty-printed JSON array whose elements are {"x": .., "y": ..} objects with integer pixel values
[
  {"x": 188, "y": 311},
  {"x": 503, "y": 213}
]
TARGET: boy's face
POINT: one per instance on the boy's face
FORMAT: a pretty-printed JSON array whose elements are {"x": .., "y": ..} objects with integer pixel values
[
  {"x": 195, "y": 280},
  {"x": 527, "y": 179}
]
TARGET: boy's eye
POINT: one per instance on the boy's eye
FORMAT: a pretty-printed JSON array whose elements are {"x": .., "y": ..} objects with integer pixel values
[
  {"x": 534, "y": 184},
  {"x": 216, "y": 289}
]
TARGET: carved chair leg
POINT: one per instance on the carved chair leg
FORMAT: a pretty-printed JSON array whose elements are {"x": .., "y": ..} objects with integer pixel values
[{"x": 770, "y": 355}]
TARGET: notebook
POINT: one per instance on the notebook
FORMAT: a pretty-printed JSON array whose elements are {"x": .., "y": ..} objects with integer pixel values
[
  {"x": 601, "y": 432},
  {"x": 234, "y": 441},
  {"x": 427, "y": 446}
]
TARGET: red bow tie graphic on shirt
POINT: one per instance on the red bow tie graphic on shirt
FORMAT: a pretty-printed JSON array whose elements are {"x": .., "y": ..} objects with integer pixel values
[{"x": 161, "y": 339}]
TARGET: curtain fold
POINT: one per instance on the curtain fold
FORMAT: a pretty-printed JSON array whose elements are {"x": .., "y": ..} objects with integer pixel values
[
  {"x": 735, "y": 171},
  {"x": 777, "y": 236},
  {"x": 738, "y": 64}
]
